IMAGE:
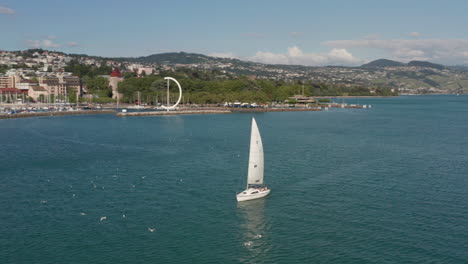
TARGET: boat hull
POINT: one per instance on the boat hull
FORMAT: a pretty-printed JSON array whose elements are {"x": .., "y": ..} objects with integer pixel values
[{"x": 252, "y": 194}]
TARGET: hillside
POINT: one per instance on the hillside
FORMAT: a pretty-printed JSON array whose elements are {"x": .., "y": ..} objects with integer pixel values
[
  {"x": 426, "y": 64},
  {"x": 382, "y": 63},
  {"x": 415, "y": 77}
]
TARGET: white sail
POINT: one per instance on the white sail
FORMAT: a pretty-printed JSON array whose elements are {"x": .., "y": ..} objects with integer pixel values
[{"x": 255, "y": 175}]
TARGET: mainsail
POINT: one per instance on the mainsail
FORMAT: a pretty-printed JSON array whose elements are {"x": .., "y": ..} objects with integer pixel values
[{"x": 255, "y": 175}]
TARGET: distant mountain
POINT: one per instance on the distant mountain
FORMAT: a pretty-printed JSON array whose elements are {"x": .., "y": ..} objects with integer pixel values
[
  {"x": 179, "y": 58},
  {"x": 174, "y": 57},
  {"x": 382, "y": 63},
  {"x": 426, "y": 64},
  {"x": 463, "y": 68}
]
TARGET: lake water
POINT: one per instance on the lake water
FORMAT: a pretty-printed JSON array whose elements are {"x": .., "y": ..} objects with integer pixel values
[{"x": 381, "y": 185}]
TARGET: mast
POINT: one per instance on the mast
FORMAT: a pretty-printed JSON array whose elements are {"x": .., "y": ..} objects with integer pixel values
[{"x": 168, "y": 95}]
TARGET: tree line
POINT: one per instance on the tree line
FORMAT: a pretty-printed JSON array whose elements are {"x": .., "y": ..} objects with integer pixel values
[
  {"x": 207, "y": 87},
  {"x": 200, "y": 88}
]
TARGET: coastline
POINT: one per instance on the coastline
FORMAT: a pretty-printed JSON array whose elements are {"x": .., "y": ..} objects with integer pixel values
[
  {"x": 181, "y": 111},
  {"x": 64, "y": 113}
]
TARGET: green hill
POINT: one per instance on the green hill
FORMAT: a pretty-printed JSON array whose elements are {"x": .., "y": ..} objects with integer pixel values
[
  {"x": 426, "y": 64},
  {"x": 382, "y": 63},
  {"x": 179, "y": 58}
]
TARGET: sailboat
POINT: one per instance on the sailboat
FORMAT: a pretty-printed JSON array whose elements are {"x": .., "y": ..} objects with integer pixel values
[{"x": 255, "y": 186}]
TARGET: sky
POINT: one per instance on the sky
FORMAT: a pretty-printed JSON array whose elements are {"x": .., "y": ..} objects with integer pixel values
[{"x": 313, "y": 33}]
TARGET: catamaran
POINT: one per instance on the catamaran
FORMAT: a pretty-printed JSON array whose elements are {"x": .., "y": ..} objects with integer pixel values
[{"x": 255, "y": 186}]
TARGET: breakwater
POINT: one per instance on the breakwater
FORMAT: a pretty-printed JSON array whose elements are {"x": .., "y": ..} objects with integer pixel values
[
  {"x": 274, "y": 109},
  {"x": 181, "y": 112},
  {"x": 53, "y": 113}
]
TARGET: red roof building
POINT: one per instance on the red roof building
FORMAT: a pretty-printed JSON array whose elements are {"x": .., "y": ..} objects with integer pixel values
[
  {"x": 116, "y": 73},
  {"x": 10, "y": 91}
]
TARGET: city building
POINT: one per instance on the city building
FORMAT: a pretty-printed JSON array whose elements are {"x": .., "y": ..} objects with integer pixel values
[
  {"x": 36, "y": 91},
  {"x": 11, "y": 95},
  {"x": 7, "y": 81},
  {"x": 147, "y": 70},
  {"x": 24, "y": 85},
  {"x": 61, "y": 85}
]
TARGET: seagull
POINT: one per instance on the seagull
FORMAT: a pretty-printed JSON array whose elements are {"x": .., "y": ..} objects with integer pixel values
[
  {"x": 82, "y": 213},
  {"x": 258, "y": 236},
  {"x": 73, "y": 195},
  {"x": 124, "y": 216},
  {"x": 248, "y": 244},
  {"x": 103, "y": 218},
  {"x": 151, "y": 229},
  {"x": 44, "y": 201}
]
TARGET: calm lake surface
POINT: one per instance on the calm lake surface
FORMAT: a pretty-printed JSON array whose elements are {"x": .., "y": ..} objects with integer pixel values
[{"x": 381, "y": 185}]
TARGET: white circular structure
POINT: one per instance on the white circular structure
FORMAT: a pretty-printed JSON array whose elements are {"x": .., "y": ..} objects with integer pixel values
[{"x": 180, "y": 94}]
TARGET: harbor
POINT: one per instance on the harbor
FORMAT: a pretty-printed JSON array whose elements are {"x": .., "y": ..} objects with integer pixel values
[{"x": 30, "y": 111}]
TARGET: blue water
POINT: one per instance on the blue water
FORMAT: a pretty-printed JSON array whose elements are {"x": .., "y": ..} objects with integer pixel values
[{"x": 381, "y": 185}]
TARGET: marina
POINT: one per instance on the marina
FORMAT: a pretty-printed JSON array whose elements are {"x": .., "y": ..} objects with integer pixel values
[{"x": 25, "y": 111}]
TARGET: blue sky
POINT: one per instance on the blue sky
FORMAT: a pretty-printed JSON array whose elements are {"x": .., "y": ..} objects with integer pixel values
[{"x": 290, "y": 32}]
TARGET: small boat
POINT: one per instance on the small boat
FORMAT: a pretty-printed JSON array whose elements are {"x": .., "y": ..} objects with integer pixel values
[{"x": 255, "y": 186}]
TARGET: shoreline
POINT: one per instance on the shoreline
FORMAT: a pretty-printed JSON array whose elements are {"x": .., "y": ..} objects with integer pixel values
[
  {"x": 181, "y": 111},
  {"x": 64, "y": 113}
]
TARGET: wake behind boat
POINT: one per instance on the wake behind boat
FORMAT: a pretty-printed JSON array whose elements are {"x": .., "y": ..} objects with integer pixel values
[{"x": 255, "y": 186}]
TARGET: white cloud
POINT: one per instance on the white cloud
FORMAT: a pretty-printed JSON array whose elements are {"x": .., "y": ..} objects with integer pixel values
[
  {"x": 446, "y": 51},
  {"x": 410, "y": 54},
  {"x": 296, "y": 56},
  {"x": 51, "y": 37},
  {"x": 6, "y": 10},
  {"x": 72, "y": 44},
  {"x": 43, "y": 43},
  {"x": 414, "y": 34}
]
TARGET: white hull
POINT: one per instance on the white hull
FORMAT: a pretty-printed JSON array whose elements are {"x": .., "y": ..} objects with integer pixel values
[{"x": 251, "y": 194}]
